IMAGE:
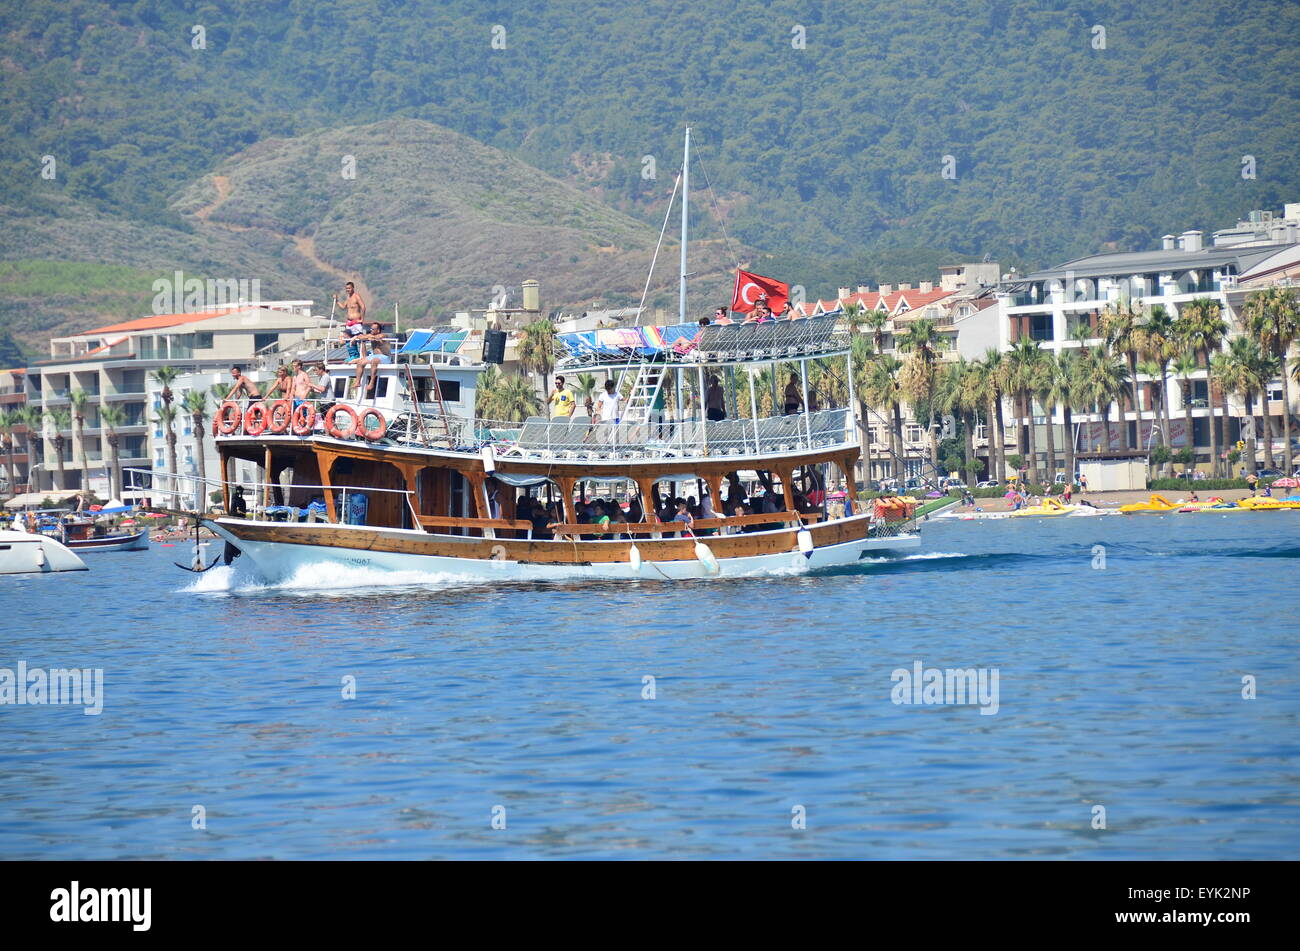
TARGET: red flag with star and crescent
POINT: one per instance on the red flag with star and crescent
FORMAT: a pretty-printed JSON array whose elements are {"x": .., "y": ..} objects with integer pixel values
[{"x": 749, "y": 287}]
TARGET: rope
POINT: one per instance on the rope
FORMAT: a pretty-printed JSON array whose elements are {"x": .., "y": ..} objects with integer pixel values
[
  {"x": 717, "y": 212},
  {"x": 662, "y": 231}
]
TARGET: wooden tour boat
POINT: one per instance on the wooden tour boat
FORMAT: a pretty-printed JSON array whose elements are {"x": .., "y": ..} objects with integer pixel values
[{"x": 409, "y": 478}]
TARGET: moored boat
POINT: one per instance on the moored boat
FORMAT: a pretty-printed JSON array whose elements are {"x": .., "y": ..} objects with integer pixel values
[{"x": 28, "y": 553}]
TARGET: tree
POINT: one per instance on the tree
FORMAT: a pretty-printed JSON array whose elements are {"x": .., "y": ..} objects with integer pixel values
[
  {"x": 922, "y": 343},
  {"x": 1272, "y": 316},
  {"x": 8, "y": 420},
  {"x": 112, "y": 417},
  {"x": 863, "y": 357},
  {"x": 59, "y": 420},
  {"x": 78, "y": 402},
  {"x": 884, "y": 389},
  {"x": 1124, "y": 335},
  {"x": 1155, "y": 385},
  {"x": 1020, "y": 374},
  {"x": 1104, "y": 382},
  {"x": 1202, "y": 329},
  {"x": 1184, "y": 367},
  {"x": 536, "y": 346},
  {"x": 1160, "y": 343},
  {"x": 995, "y": 367},
  {"x": 962, "y": 392},
  {"x": 165, "y": 418},
  {"x": 195, "y": 403},
  {"x": 32, "y": 419},
  {"x": 165, "y": 377}
]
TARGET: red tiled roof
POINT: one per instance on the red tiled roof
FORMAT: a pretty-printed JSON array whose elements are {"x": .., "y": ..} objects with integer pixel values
[{"x": 155, "y": 322}]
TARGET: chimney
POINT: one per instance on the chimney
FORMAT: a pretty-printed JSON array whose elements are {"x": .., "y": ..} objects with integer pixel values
[
  {"x": 886, "y": 289},
  {"x": 926, "y": 287},
  {"x": 844, "y": 292},
  {"x": 532, "y": 295},
  {"x": 1191, "y": 241},
  {"x": 1167, "y": 243},
  {"x": 905, "y": 287},
  {"x": 864, "y": 288}
]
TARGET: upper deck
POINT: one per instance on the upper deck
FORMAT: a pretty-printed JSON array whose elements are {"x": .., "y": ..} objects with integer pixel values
[{"x": 714, "y": 344}]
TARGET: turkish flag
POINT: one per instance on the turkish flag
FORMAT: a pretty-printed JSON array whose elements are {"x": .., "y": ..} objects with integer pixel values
[{"x": 749, "y": 287}]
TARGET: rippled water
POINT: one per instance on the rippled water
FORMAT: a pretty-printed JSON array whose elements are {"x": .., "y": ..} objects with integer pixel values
[{"x": 1119, "y": 687}]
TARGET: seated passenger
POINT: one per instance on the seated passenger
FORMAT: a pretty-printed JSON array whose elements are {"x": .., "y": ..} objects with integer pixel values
[
  {"x": 720, "y": 316},
  {"x": 683, "y": 515}
]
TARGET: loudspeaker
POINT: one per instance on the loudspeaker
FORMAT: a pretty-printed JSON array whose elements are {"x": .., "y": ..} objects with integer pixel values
[{"x": 494, "y": 346}]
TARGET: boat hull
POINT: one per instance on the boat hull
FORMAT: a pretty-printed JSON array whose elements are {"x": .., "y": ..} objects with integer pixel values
[
  {"x": 22, "y": 553},
  {"x": 137, "y": 542},
  {"x": 277, "y": 552}
]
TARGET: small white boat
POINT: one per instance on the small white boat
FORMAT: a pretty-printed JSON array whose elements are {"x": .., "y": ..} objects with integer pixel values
[{"x": 24, "y": 553}]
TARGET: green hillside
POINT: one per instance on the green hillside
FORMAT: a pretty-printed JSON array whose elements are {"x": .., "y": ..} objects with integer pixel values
[{"x": 822, "y": 157}]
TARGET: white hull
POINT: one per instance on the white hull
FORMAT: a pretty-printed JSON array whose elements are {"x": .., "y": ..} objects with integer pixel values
[
  {"x": 279, "y": 561},
  {"x": 21, "y": 553}
]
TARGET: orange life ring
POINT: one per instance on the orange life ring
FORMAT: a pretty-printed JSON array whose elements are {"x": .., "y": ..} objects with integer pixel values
[
  {"x": 228, "y": 417},
  {"x": 255, "y": 419},
  {"x": 373, "y": 433},
  {"x": 278, "y": 417},
  {"x": 303, "y": 420},
  {"x": 331, "y": 426}
]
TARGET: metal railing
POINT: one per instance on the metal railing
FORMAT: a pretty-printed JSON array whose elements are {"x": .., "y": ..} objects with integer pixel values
[
  {"x": 260, "y": 504},
  {"x": 579, "y": 438}
]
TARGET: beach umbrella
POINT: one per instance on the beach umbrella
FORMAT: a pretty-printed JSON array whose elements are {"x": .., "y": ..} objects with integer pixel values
[{"x": 1286, "y": 482}]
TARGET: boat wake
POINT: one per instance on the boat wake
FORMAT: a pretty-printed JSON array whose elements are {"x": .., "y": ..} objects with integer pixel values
[{"x": 320, "y": 580}]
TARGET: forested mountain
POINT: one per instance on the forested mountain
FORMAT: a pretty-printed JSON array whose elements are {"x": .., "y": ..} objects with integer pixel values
[{"x": 822, "y": 126}]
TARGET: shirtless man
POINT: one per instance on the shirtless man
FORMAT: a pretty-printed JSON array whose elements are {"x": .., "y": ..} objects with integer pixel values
[
  {"x": 303, "y": 387},
  {"x": 380, "y": 352},
  {"x": 352, "y": 303},
  {"x": 242, "y": 385}
]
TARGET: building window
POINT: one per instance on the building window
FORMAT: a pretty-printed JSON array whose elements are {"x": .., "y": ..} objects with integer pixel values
[
  {"x": 203, "y": 341},
  {"x": 263, "y": 341},
  {"x": 1040, "y": 327}
]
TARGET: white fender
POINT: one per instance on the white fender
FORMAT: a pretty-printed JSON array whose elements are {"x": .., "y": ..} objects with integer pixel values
[
  {"x": 634, "y": 557},
  {"x": 42, "y": 561},
  {"x": 805, "y": 542},
  {"x": 489, "y": 459},
  {"x": 705, "y": 555}
]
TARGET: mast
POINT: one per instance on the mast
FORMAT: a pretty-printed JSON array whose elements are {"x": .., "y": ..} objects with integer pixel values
[{"x": 686, "y": 191}]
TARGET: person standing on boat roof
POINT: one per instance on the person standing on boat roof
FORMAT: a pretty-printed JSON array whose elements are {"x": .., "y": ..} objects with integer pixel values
[
  {"x": 607, "y": 410},
  {"x": 561, "y": 400},
  {"x": 793, "y": 397},
  {"x": 242, "y": 385},
  {"x": 714, "y": 400}
]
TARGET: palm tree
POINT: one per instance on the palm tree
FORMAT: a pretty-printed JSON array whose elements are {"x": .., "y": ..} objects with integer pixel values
[
  {"x": 195, "y": 403},
  {"x": 922, "y": 343},
  {"x": 1065, "y": 393},
  {"x": 961, "y": 392},
  {"x": 1155, "y": 375},
  {"x": 863, "y": 357},
  {"x": 165, "y": 417},
  {"x": 8, "y": 420},
  {"x": 1124, "y": 335},
  {"x": 1022, "y": 364},
  {"x": 1184, "y": 367},
  {"x": 1227, "y": 376},
  {"x": 112, "y": 417},
  {"x": 59, "y": 419},
  {"x": 883, "y": 389},
  {"x": 166, "y": 376},
  {"x": 1055, "y": 388},
  {"x": 517, "y": 399},
  {"x": 78, "y": 401},
  {"x": 1272, "y": 316},
  {"x": 536, "y": 347},
  {"x": 31, "y": 418},
  {"x": 1160, "y": 344},
  {"x": 1104, "y": 382},
  {"x": 995, "y": 366},
  {"x": 1202, "y": 329}
]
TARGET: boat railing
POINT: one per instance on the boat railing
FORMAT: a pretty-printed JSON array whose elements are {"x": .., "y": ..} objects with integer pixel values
[
  {"x": 269, "y": 501},
  {"x": 713, "y": 343},
  {"x": 660, "y": 437}
]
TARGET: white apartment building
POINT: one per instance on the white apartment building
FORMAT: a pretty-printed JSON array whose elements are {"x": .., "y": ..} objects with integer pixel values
[{"x": 114, "y": 365}]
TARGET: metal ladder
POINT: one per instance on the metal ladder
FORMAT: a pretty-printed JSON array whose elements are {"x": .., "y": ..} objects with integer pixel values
[
  {"x": 415, "y": 401},
  {"x": 647, "y": 383}
]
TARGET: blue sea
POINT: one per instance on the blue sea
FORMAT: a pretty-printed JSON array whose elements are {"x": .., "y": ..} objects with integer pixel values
[{"x": 521, "y": 721}]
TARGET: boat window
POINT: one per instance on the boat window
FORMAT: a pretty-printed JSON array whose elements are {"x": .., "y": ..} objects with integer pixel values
[
  {"x": 381, "y": 388},
  {"x": 340, "y": 387}
]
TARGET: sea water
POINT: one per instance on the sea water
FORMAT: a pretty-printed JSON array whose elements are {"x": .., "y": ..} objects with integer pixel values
[{"x": 1146, "y": 670}]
